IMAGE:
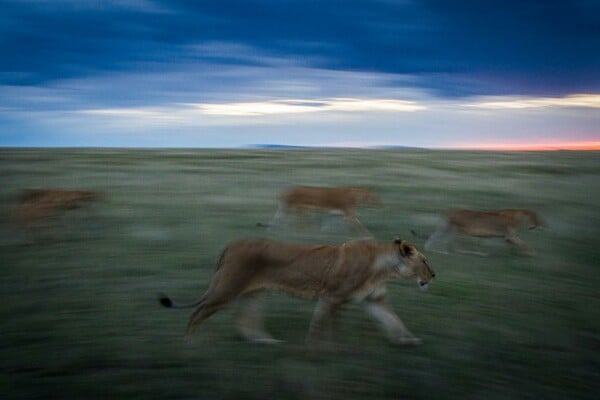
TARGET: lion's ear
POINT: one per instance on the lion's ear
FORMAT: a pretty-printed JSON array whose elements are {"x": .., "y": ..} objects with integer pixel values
[{"x": 406, "y": 250}]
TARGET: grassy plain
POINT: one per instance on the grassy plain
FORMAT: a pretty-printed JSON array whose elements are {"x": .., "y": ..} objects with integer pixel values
[{"x": 79, "y": 316}]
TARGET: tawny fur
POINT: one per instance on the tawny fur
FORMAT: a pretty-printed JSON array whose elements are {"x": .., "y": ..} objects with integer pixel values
[
  {"x": 500, "y": 223},
  {"x": 343, "y": 200},
  {"x": 36, "y": 205},
  {"x": 334, "y": 275}
]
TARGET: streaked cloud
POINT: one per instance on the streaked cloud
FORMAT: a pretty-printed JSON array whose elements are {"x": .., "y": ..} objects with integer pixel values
[
  {"x": 257, "y": 109},
  {"x": 181, "y": 112},
  {"x": 296, "y": 106},
  {"x": 576, "y": 100}
]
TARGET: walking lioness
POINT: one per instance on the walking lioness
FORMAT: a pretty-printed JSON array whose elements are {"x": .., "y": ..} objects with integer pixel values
[
  {"x": 501, "y": 223},
  {"x": 333, "y": 275},
  {"x": 342, "y": 200}
]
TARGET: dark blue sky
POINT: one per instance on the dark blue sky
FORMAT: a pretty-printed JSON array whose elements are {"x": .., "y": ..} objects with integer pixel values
[{"x": 64, "y": 59}]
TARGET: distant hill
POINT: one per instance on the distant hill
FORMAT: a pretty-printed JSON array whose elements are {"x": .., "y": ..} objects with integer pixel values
[
  {"x": 284, "y": 146},
  {"x": 397, "y": 148},
  {"x": 279, "y": 146}
]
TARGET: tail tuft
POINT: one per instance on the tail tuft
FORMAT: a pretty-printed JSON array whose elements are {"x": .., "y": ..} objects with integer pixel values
[
  {"x": 262, "y": 225},
  {"x": 165, "y": 301}
]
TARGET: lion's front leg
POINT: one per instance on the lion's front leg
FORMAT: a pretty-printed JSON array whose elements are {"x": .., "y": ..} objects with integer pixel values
[
  {"x": 390, "y": 324},
  {"x": 322, "y": 320},
  {"x": 249, "y": 319},
  {"x": 512, "y": 238}
]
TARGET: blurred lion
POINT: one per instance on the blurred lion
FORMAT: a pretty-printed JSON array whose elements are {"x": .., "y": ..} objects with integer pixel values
[
  {"x": 338, "y": 200},
  {"x": 501, "y": 223},
  {"x": 34, "y": 206},
  {"x": 333, "y": 275}
]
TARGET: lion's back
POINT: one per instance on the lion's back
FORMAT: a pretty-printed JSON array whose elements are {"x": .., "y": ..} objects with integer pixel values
[
  {"x": 296, "y": 269},
  {"x": 319, "y": 197},
  {"x": 259, "y": 251},
  {"x": 482, "y": 222}
]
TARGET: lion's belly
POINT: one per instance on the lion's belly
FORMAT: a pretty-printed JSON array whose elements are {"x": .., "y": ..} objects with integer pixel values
[
  {"x": 306, "y": 292},
  {"x": 309, "y": 290},
  {"x": 318, "y": 207},
  {"x": 483, "y": 231}
]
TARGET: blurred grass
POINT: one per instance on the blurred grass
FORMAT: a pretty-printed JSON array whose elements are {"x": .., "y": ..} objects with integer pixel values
[{"x": 80, "y": 317}]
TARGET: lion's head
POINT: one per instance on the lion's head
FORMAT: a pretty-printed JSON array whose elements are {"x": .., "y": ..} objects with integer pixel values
[
  {"x": 364, "y": 196},
  {"x": 415, "y": 263},
  {"x": 530, "y": 219}
]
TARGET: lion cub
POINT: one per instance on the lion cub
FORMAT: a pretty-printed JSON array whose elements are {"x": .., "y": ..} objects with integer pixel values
[{"x": 332, "y": 275}]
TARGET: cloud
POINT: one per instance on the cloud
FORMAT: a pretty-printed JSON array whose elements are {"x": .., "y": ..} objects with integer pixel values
[
  {"x": 488, "y": 47},
  {"x": 511, "y": 103},
  {"x": 359, "y": 122},
  {"x": 298, "y": 106},
  {"x": 247, "y": 114},
  {"x": 213, "y": 85}
]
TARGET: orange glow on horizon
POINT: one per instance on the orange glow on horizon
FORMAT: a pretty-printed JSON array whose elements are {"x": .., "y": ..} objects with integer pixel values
[{"x": 581, "y": 146}]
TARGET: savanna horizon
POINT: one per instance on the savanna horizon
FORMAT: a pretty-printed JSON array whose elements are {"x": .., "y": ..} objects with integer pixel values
[{"x": 467, "y": 146}]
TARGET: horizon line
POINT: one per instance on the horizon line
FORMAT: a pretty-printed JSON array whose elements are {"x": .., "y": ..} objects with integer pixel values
[{"x": 583, "y": 146}]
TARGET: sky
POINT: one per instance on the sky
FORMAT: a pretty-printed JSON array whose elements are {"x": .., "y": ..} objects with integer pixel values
[{"x": 491, "y": 74}]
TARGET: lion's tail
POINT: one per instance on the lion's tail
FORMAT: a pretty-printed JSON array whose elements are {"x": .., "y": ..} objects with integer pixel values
[{"x": 167, "y": 302}]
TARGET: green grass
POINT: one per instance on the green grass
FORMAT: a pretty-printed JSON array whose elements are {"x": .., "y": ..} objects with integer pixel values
[{"x": 79, "y": 316}]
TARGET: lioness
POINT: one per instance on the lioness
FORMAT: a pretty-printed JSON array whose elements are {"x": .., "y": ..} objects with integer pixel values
[
  {"x": 501, "y": 223},
  {"x": 333, "y": 275},
  {"x": 343, "y": 200},
  {"x": 35, "y": 205}
]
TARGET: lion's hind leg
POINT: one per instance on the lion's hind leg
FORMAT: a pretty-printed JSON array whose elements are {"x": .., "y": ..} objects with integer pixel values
[
  {"x": 321, "y": 321},
  {"x": 280, "y": 215},
  {"x": 352, "y": 220},
  {"x": 442, "y": 239},
  {"x": 285, "y": 216},
  {"x": 201, "y": 313},
  {"x": 215, "y": 298},
  {"x": 249, "y": 321}
]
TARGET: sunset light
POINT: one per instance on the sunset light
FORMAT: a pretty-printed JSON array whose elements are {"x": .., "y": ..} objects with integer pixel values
[{"x": 554, "y": 146}]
